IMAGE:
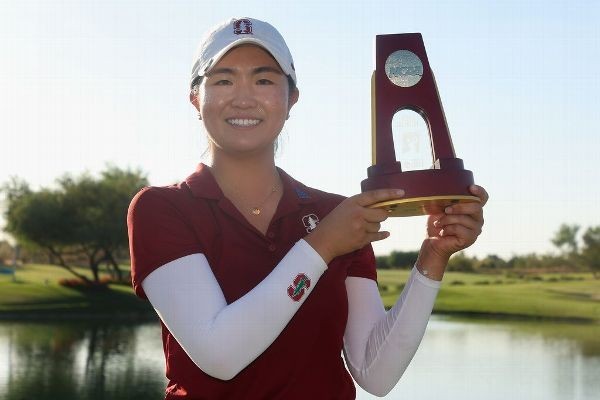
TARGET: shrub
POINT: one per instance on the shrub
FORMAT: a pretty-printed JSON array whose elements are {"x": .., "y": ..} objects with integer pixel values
[
  {"x": 492, "y": 262},
  {"x": 570, "y": 278},
  {"x": 461, "y": 262},
  {"x": 82, "y": 285},
  {"x": 382, "y": 262}
]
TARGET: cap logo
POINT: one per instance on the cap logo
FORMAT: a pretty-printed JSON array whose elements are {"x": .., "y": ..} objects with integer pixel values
[
  {"x": 300, "y": 285},
  {"x": 242, "y": 27}
]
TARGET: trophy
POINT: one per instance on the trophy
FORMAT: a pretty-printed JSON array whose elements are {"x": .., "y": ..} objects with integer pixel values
[{"x": 403, "y": 80}]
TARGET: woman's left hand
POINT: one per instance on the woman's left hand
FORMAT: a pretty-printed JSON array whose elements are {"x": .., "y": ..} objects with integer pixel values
[{"x": 454, "y": 230}]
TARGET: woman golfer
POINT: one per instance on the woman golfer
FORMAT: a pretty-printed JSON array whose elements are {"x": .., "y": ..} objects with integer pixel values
[{"x": 261, "y": 282}]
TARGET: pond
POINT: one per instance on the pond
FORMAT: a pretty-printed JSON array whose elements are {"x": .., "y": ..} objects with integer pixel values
[{"x": 458, "y": 359}]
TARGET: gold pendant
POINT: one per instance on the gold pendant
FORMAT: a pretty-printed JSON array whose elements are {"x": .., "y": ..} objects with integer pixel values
[{"x": 256, "y": 211}]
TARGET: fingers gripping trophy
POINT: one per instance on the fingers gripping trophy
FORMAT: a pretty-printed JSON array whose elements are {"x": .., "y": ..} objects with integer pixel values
[{"x": 403, "y": 80}]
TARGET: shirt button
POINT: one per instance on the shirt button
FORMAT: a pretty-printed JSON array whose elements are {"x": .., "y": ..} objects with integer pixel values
[
  {"x": 271, "y": 235},
  {"x": 272, "y": 247}
]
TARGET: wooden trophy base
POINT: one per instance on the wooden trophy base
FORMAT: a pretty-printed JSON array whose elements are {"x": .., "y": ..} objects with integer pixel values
[{"x": 427, "y": 191}]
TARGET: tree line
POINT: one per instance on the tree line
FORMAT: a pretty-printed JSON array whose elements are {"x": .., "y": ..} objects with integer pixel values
[{"x": 574, "y": 254}]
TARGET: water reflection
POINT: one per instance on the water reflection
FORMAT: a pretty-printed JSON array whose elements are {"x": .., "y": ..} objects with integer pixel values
[
  {"x": 80, "y": 361},
  {"x": 458, "y": 359},
  {"x": 503, "y": 360}
]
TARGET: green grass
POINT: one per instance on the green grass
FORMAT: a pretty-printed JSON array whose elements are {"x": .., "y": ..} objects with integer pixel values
[
  {"x": 548, "y": 296},
  {"x": 545, "y": 296},
  {"x": 36, "y": 293}
]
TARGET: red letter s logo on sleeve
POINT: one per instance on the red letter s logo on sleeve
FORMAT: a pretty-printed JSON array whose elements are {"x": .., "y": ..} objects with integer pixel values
[{"x": 300, "y": 285}]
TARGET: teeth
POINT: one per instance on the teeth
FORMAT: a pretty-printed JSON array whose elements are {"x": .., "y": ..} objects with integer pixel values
[{"x": 243, "y": 121}]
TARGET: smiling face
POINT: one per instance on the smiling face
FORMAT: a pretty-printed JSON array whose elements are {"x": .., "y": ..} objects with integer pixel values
[{"x": 244, "y": 101}]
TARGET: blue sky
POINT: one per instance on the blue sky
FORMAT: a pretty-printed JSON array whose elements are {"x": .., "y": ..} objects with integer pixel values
[{"x": 86, "y": 83}]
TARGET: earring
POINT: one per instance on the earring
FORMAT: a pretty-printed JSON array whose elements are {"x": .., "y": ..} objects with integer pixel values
[{"x": 199, "y": 116}]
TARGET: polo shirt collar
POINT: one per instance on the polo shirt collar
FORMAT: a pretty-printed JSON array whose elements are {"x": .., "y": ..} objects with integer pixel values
[{"x": 203, "y": 184}]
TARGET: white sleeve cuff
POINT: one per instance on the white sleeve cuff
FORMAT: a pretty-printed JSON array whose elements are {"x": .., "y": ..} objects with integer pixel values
[
  {"x": 312, "y": 256},
  {"x": 424, "y": 279}
]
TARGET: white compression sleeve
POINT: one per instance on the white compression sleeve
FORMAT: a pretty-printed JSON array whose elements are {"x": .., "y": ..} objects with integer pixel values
[
  {"x": 378, "y": 346},
  {"x": 190, "y": 302}
]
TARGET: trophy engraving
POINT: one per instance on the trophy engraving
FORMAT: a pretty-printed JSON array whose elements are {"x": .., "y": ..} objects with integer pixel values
[{"x": 404, "y": 68}]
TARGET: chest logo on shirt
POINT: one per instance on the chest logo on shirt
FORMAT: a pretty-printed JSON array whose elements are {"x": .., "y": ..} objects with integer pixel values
[
  {"x": 310, "y": 222},
  {"x": 300, "y": 285}
]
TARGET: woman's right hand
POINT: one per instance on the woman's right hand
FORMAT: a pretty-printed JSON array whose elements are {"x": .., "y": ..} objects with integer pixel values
[{"x": 352, "y": 224}]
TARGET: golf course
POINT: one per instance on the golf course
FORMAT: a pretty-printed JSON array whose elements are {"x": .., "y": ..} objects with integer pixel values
[{"x": 34, "y": 292}]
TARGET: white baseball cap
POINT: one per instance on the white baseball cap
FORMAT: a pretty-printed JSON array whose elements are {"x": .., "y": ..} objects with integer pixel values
[{"x": 228, "y": 34}]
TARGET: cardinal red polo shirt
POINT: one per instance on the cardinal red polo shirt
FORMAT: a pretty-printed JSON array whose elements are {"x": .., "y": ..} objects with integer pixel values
[{"x": 304, "y": 362}]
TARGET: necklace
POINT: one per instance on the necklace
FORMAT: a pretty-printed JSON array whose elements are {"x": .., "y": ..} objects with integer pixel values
[{"x": 258, "y": 209}]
